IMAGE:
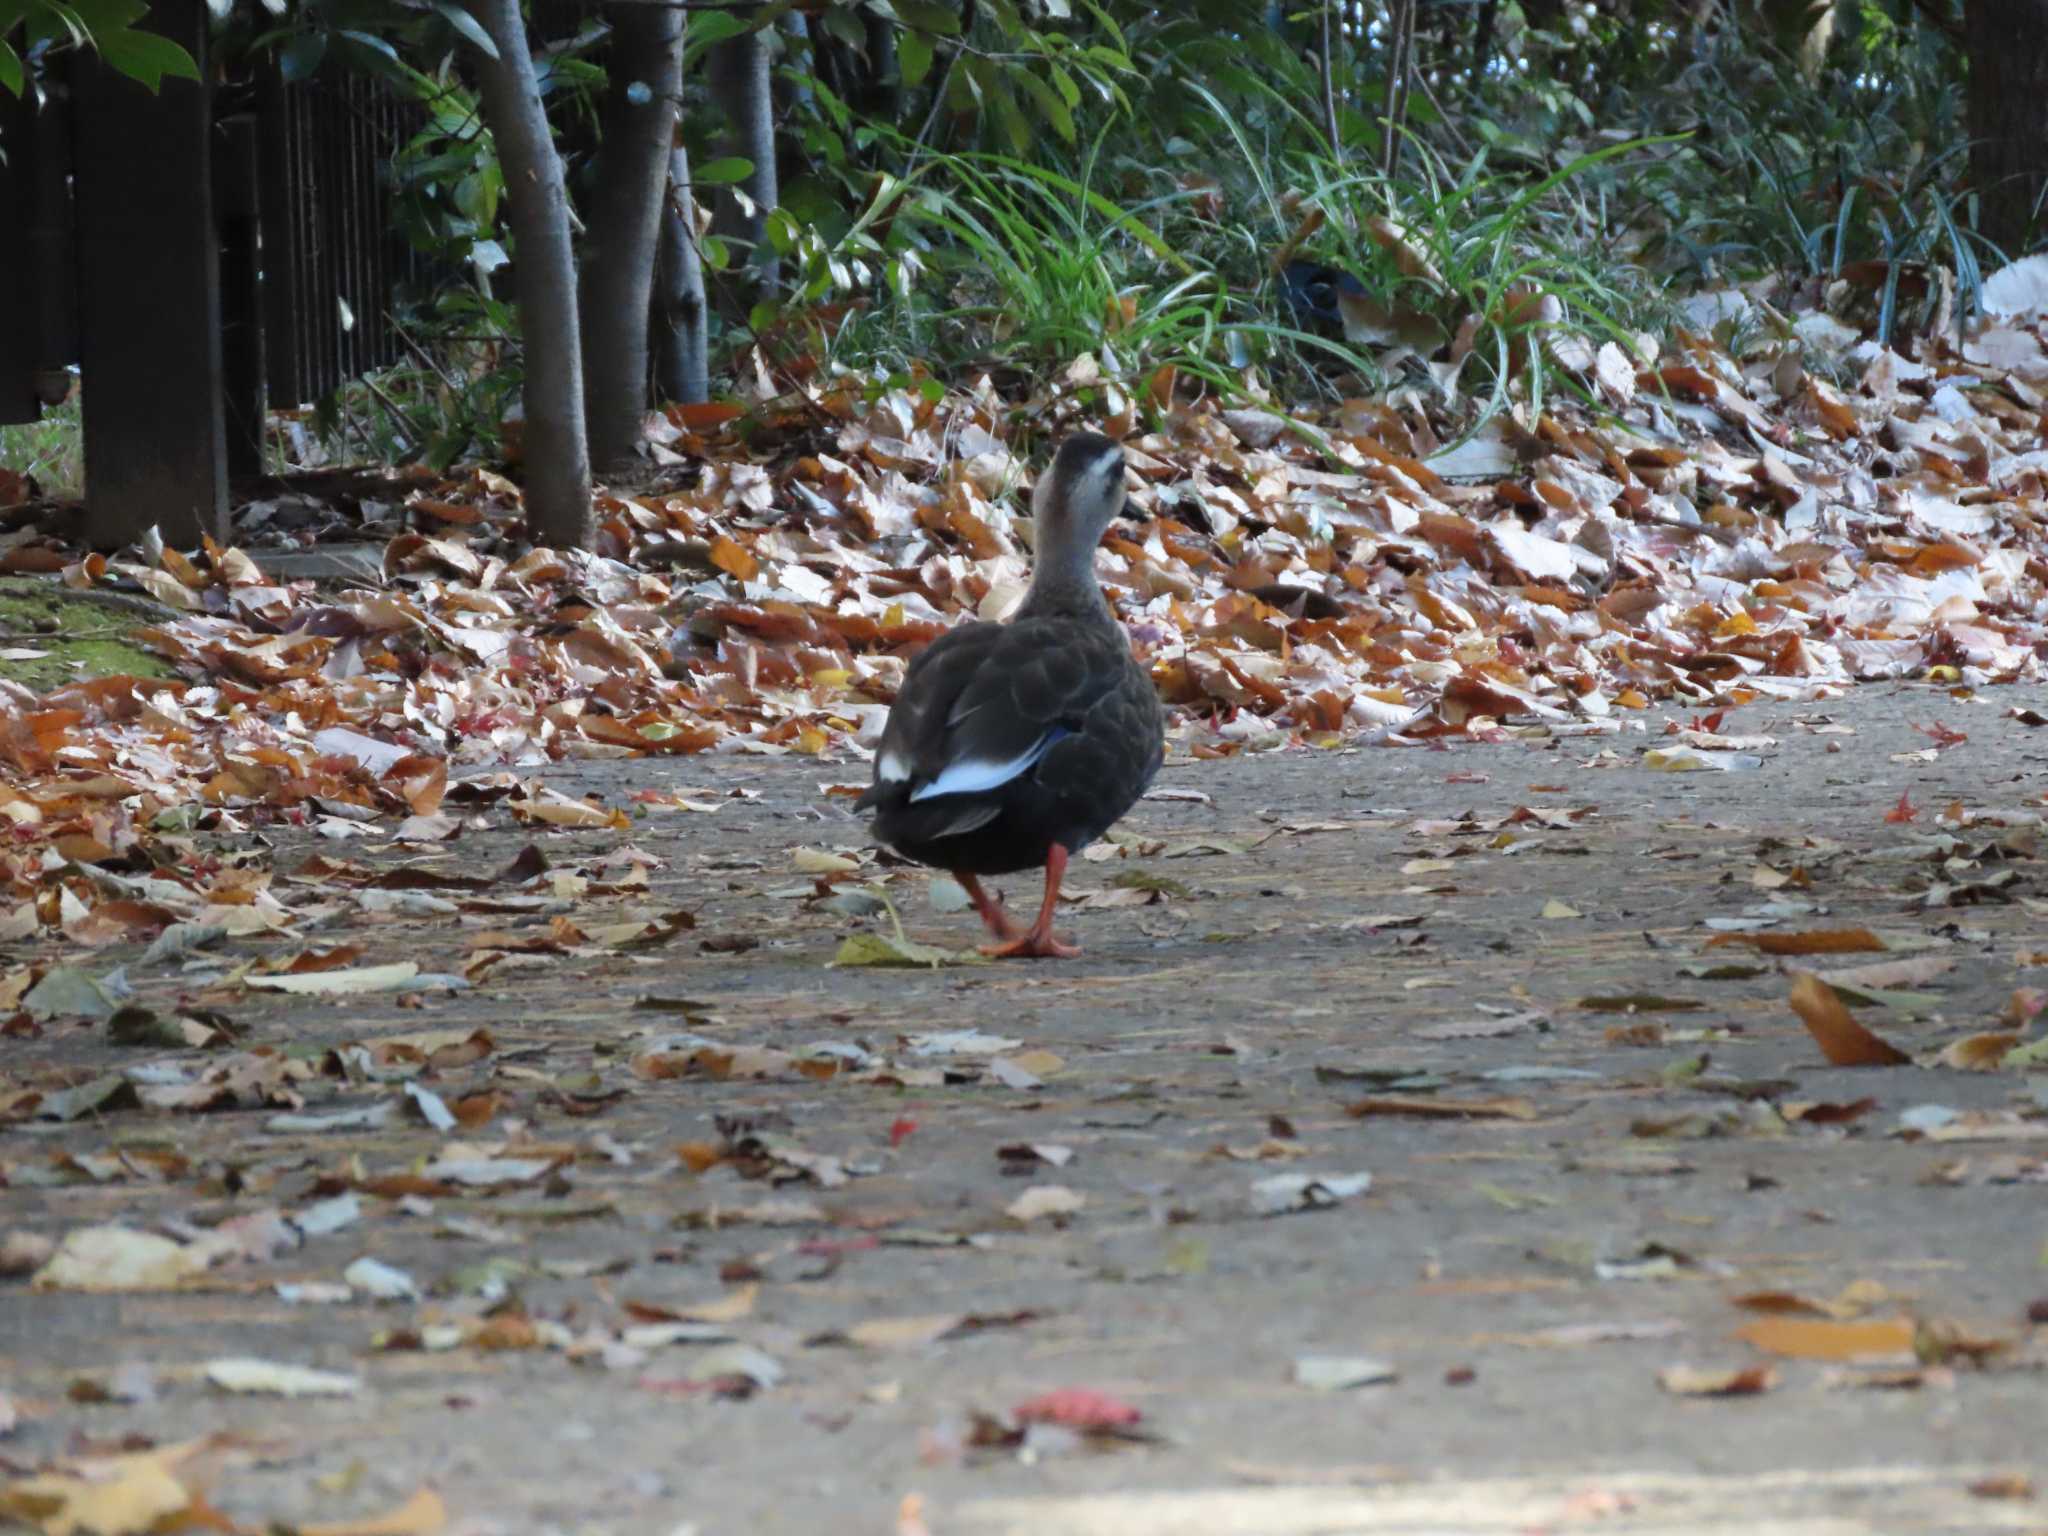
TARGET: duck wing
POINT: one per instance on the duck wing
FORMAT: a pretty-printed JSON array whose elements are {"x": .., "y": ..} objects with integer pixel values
[{"x": 983, "y": 706}]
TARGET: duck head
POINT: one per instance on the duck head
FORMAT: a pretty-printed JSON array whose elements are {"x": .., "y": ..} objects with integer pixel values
[{"x": 1078, "y": 496}]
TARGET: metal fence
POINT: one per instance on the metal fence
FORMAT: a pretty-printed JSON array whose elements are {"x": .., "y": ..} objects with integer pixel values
[{"x": 193, "y": 251}]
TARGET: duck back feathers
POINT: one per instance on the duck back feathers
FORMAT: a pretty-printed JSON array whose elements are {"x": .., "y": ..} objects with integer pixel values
[{"x": 1009, "y": 738}]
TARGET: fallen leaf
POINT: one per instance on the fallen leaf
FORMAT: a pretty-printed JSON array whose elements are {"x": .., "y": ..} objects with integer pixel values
[
  {"x": 2003, "y": 1485},
  {"x": 1803, "y": 1338},
  {"x": 877, "y": 949},
  {"x": 1043, "y": 1201},
  {"x": 128, "y": 1495},
  {"x": 1727, "y": 1381},
  {"x": 900, "y": 1332},
  {"x": 1077, "y": 1408},
  {"x": 342, "y": 983},
  {"x": 1339, "y": 1373},
  {"x": 1842, "y": 1040},
  {"x": 1817, "y": 941},
  {"x": 1909, "y": 971},
  {"x": 1282, "y": 1193},
  {"x": 1422, "y": 1107},
  {"x": 118, "y": 1259},
  {"x": 1979, "y": 1053},
  {"x": 424, "y": 1514},
  {"x": 276, "y": 1379},
  {"x": 1640, "y": 1002}
]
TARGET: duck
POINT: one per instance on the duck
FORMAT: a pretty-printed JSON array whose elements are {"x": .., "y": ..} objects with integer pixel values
[{"x": 1013, "y": 746}]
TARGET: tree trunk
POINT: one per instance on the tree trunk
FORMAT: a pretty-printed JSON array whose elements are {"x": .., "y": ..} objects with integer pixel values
[
  {"x": 643, "y": 59},
  {"x": 557, "y": 455},
  {"x": 883, "y": 96},
  {"x": 744, "y": 88},
  {"x": 2007, "y": 43},
  {"x": 681, "y": 368}
]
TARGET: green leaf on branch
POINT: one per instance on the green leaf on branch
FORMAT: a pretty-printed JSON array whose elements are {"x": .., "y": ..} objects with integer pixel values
[
  {"x": 928, "y": 16},
  {"x": 721, "y": 173},
  {"x": 842, "y": 23},
  {"x": 460, "y": 19},
  {"x": 10, "y": 69},
  {"x": 914, "y": 57},
  {"x": 144, "y": 57},
  {"x": 299, "y": 58},
  {"x": 710, "y": 28}
]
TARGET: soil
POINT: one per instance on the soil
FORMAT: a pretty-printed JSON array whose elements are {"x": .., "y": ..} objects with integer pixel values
[{"x": 1332, "y": 927}]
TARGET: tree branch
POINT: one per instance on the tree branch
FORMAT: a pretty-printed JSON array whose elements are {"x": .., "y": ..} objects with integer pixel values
[{"x": 1330, "y": 85}]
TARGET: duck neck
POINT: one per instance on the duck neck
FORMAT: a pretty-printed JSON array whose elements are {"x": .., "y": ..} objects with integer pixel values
[{"x": 1063, "y": 585}]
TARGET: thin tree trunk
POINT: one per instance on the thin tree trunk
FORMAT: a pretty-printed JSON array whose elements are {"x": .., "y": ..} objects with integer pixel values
[
  {"x": 1482, "y": 39},
  {"x": 2007, "y": 44},
  {"x": 681, "y": 367},
  {"x": 884, "y": 86},
  {"x": 644, "y": 60},
  {"x": 557, "y": 454},
  {"x": 1328, "y": 61},
  {"x": 743, "y": 86},
  {"x": 1400, "y": 55}
]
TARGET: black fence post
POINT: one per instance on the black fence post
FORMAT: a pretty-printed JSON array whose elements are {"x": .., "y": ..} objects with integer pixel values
[
  {"x": 17, "y": 295},
  {"x": 241, "y": 331},
  {"x": 149, "y": 299}
]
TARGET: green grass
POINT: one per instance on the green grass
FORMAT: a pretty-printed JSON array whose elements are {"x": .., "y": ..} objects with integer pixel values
[{"x": 50, "y": 451}]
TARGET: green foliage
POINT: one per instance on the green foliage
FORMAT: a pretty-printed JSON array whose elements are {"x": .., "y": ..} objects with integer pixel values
[
  {"x": 447, "y": 400},
  {"x": 1021, "y": 183},
  {"x": 30, "y": 30},
  {"x": 49, "y": 450},
  {"x": 1813, "y": 172}
]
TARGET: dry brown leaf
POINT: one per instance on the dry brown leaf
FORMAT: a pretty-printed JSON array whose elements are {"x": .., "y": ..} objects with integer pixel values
[
  {"x": 1418, "y": 1106},
  {"x": 1855, "y": 1299},
  {"x": 2003, "y": 1485},
  {"x": 1979, "y": 1053},
  {"x": 1842, "y": 1040},
  {"x": 734, "y": 559},
  {"x": 1817, "y": 941}
]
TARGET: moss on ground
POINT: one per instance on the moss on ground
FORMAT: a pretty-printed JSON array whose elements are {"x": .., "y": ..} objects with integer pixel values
[{"x": 76, "y": 636}]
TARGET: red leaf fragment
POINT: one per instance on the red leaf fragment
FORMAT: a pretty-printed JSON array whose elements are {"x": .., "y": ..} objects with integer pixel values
[{"x": 1078, "y": 1408}]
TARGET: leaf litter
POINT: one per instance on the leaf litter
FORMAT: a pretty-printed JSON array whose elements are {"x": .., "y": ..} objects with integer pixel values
[{"x": 427, "y": 709}]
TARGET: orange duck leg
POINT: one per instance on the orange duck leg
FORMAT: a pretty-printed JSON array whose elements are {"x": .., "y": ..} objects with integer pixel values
[{"x": 1038, "y": 943}]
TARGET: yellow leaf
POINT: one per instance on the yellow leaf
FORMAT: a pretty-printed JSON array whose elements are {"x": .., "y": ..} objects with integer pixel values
[
  {"x": 1810, "y": 1338},
  {"x": 421, "y": 1515}
]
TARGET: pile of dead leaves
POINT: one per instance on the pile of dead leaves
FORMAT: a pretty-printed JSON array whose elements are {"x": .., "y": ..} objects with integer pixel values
[{"x": 1722, "y": 526}]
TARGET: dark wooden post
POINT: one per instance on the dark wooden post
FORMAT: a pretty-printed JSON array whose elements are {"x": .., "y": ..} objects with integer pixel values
[
  {"x": 241, "y": 309},
  {"x": 17, "y": 294},
  {"x": 149, "y": 300}
]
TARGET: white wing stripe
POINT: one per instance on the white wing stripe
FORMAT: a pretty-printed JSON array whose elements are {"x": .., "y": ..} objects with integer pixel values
[
  {"x": 893, "y": 768},
  {"x": 970, "y": 775}
]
